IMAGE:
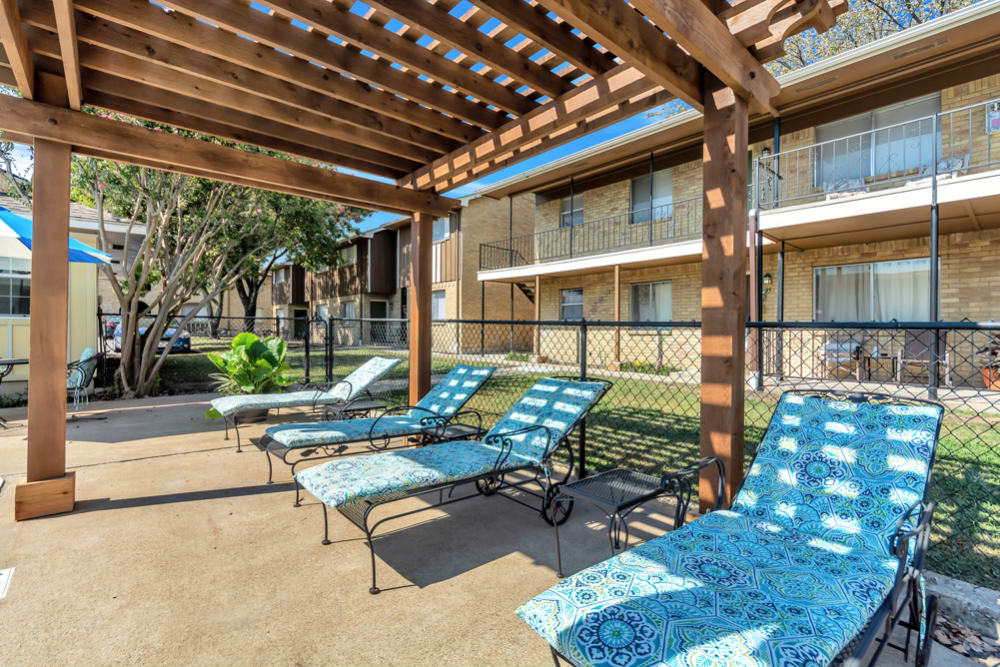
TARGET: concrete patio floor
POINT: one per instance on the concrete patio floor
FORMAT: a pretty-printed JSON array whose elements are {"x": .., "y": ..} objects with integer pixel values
[{"x": 179, "y": 553}]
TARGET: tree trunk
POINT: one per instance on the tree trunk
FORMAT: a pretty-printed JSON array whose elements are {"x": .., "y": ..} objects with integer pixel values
[{"x": 248, "y": 297}]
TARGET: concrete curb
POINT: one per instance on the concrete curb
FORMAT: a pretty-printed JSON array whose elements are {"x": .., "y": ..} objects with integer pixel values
[{"x": 975, "y": 607}]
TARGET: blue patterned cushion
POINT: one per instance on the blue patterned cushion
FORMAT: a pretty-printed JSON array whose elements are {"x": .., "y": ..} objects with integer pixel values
[
  {"x": 723, "y": 590},
  {"x": 454, "y": 390},
  {"x": 349, "y": 479},
  {"x": 554, "y": 403},
  {"x": 841, "y": 471},
  {"x": 345, "y": 390},
  {"x": 343, "y": 431},
  {"x": 360, "y": 379}
]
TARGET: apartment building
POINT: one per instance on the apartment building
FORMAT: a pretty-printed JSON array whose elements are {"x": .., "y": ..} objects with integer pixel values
[
  {"x": 371, "y": 280},
  {"x": 841, "y": 192}
]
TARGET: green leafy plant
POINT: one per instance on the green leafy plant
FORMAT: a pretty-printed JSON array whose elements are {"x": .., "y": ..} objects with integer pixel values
[{"x": 251, "y": 366}]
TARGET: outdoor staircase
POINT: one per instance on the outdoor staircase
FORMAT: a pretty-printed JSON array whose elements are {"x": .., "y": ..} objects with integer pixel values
[{"x": 528, "y": 290}]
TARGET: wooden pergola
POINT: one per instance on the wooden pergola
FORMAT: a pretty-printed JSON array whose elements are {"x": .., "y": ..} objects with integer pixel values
[{"x": 425, "y": 94}]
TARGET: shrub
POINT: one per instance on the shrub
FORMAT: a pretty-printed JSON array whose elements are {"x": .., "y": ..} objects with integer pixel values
[{"x": 251, "y": 366}]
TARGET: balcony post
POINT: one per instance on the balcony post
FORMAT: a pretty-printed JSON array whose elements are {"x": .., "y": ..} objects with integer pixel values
[
  {"x": 754, "y": 302},
  {"x": 935, "y": 315},
  {"x": 780, "y": 314},
  {"x": 48, "y": 488},
  {"x": 421, "y": 236},
  {"x": 538, "y": 316},
  {"x": 618, "y": 316},
  {"x": 723, "y": 293},
  {"x": 650, "y": 199},
  {"x": 572, "y": 215}
]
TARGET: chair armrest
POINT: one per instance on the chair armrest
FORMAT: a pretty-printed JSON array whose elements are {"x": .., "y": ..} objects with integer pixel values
[
  {"x": 921, "y": 532},
  {"x": 432, "y": 419},
  {"x": 507, "y": 444},
  {"x": 319, "y": 392},
  {"x": 474, "y": 413},
  {"x": 678, "y": 482}
]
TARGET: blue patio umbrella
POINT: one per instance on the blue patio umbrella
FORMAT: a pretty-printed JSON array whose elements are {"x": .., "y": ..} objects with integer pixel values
[{"x": 14, "y": 226}]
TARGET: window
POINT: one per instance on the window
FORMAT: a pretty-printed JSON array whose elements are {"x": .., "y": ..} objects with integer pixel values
[
  {"x": 348, "y": 255},
  {"x": 15, "y": 286},
  {"x": 323, "y": 312},
  {"x": 879, "y": 143},
  {"x": 442, "y": 229},
  {"x": 571, "y": 211},
  {"x": 348, "y": 310},
  {"x": 438, "y": 305},
  {"x": 571, "y": 304},
  {"x": 663, "y": 194},
  {"x": 279, "y": 276},
  {"x": 652, "y": 302},
  {"x": 880, "y": 292}
]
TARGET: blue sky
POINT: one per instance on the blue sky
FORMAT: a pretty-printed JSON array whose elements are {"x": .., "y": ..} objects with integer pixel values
[{"x": 610, "y": 132}]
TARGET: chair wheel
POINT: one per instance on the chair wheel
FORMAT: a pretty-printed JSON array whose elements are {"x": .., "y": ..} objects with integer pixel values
[{"x": 565, "y": 508}]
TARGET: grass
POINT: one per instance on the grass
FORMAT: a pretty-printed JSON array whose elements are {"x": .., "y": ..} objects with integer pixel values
[
  {"x": 654, "y": 425},
  {"x": 649, "y": 368}
]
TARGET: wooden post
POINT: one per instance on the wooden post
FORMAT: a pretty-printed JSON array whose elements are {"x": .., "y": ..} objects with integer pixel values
[
  {"x": 723, "y": 292},
  {"x": 48, "y": 489},
  {"x": 618, "y": 310},
  {"x": 421, "y": 236},
  {"x": 538, "y": 316}
]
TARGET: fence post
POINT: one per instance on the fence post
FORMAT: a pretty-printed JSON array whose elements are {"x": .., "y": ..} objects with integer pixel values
[
  {"x": 329, "y": 350},
  {"x": 277, "y": 326},
  {"x": 583, "y": 376},
  {"x": 308, "y": 334}
]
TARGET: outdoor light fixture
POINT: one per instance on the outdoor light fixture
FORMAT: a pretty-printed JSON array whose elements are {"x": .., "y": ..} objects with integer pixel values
[{"x": 767, "y": 278}]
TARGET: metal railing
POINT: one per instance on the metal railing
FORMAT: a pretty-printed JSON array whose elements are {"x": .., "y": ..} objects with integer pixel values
[
  {"x": 640, "y": 228},
  {"x": 952, "y": 143}
]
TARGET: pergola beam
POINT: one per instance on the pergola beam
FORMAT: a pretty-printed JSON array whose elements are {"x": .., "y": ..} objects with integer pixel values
[
  {"x": 15, "y": 43},
  {"x": 442, "y": 26},
  {"x": 175, "y": 152},
  {"x": 637, "y": 42},
  {"x": 327, "y": 18},
  {"x": 66, "y": 29},
  {"x": 694, "y": 27}
]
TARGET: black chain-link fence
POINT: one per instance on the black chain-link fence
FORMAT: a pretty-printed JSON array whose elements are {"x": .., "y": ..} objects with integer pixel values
[{"x": 650, "y": 420}]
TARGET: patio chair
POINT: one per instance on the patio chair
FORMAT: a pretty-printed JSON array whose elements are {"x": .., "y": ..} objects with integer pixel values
[
  {"x": 822, "y": 550},
  {"x": 917, "y": 347},
  {"x": 523, "y": 440},
  {"x": 435, "y": 417},
  {"x": 349, "y": 395},
  {"x": 79, "y": 375},
  {"x": 842, "y": 354}
]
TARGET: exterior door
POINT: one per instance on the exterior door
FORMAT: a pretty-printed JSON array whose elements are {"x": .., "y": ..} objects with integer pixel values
[{"x": 379, "y": 310}]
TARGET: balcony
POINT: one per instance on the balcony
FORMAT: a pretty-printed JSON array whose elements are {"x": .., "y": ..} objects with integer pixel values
[
  {"x": 880, "y": 182},
  {"x": 644, "y": 228}
]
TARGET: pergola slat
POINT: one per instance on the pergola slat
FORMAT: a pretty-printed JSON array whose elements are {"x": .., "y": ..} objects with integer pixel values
[
  {"x": 444, "y": 27},
  {"x": 638, "y": 42},
  {"x": 181, "y": 29},
  {"x": 324, "y": 16},
  {"x": 66, "y": 126},
  {"x": 66, "y": 24},
  {"x": 15, "y": 44},
  {"x": 533, "y": 22}
]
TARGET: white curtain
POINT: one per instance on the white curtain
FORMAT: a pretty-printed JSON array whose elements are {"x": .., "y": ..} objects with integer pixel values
[
  {"x": 902, "y": 291},
  {"x": 843, "y": 293}
]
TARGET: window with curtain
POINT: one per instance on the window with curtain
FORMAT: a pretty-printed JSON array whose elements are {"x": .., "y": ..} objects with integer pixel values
[
  {"x": 652, "y": 302},
  {"x": 571, "y": 304},
  {"x": 15, "y": 286},
  {"x": 878, "y": 143},
  {"x": 663, "y": 195},
  {"x": 348, "y": 255},
  {"x": 279, "y": 276},
  {"x": 348, "y": 310},
  {"x": 880, "y": 292},
  {"x": 571, "y": 211},
  {"x": 438, "y": 300},
  {"x": 442, "y": 229}
]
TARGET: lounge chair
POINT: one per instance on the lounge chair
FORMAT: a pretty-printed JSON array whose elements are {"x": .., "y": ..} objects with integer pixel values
[
  {"x": 435, "y": 417},
  {"x": 821, "y": 551},
  {"x": 79, "y": 375},
  {"x": 350, "y": 395},
  {"x": 524, "y": 439}
]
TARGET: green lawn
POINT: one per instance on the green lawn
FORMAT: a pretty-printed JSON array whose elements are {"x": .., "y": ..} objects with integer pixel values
[{"x": 653, "y": 425}]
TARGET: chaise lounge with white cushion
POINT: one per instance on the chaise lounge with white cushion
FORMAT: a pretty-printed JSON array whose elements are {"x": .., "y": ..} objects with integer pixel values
[
  {"x": 343, "y": 396},
  {"x": 822, "y": 550}
]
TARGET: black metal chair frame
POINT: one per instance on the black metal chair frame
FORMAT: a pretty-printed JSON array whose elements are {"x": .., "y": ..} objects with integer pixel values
[
  {"x": 355, "y": 405},
  {"x": 905, "y": 593},
  {"x": 434, "y": 428},
  {"x": 489, "y": 483}
]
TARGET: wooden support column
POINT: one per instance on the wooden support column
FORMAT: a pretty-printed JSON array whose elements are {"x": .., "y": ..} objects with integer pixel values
[
  {"x": 48, "y": 489},
  {"x": 618, "y": 312},
  {"x": 421, "y": 232},
  {"x": 723, "y": 292}
]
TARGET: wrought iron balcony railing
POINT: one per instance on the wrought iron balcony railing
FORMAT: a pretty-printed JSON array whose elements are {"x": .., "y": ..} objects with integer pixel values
[
  {"x": 947, "y": 144},
  {"x": 642, "y": 228}
]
